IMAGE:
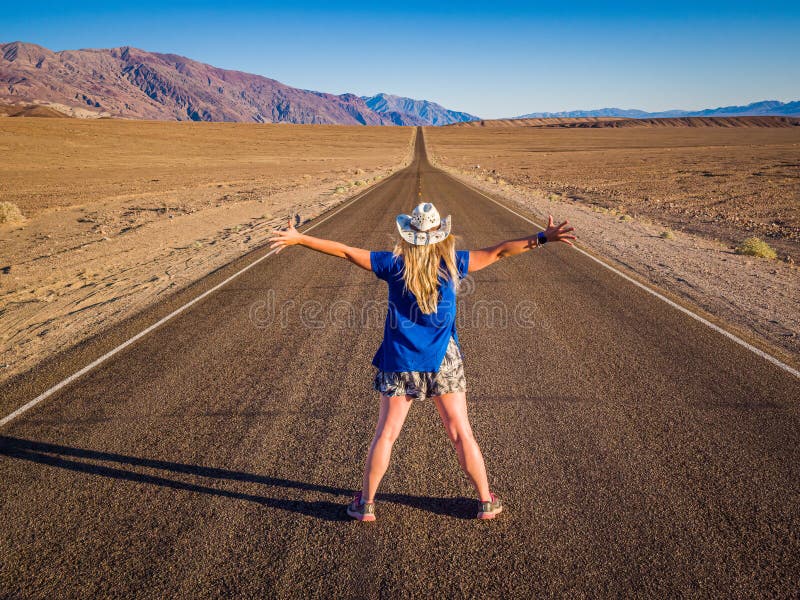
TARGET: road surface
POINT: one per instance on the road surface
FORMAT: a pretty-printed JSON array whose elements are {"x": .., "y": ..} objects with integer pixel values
[{"x": 637, "y": 450}]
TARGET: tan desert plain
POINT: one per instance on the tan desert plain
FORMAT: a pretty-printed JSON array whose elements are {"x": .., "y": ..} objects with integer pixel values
[
  {"x": 116, "y": 215},
  {"x": 104, "y": 218},
  {"x": 706, "y": 210}
]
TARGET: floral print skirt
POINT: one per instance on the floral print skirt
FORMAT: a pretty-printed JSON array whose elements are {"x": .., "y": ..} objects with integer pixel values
[{"x": 424, "y": 384}]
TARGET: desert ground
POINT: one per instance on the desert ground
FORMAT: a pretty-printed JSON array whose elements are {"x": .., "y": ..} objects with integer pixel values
[
  {"x": 670, "y": 204},
  {"x": 118, "y": 214},
  {"x": 637, "y": 451}
]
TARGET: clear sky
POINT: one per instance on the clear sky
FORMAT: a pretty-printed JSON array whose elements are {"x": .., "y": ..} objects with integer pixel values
[{"x": 490, "y": 58}]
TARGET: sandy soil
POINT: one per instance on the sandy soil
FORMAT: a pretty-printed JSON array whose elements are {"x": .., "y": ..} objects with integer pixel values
[
  {"x": 120, "y": 213},
  {"x": 723, "y": 183},
  {"x": 623, "y": 189}
]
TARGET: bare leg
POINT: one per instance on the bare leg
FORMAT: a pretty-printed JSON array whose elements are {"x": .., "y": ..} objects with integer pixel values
[
  {"x": 391, "y": 417},
  {"x": 453, "y": 410}
]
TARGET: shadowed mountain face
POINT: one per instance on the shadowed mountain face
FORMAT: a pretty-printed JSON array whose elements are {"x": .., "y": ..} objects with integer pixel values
[
  {"x": 764, "y": 108},
  {"x": 407, "y": 111},
  {"x": 132, "y": 83}
]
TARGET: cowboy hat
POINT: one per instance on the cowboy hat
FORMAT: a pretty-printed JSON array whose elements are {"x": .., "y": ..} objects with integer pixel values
[{"x": 424, "y": 225}]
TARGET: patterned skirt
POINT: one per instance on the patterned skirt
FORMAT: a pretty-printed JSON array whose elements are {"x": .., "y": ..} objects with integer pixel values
[{"x": 425, "y": 384}]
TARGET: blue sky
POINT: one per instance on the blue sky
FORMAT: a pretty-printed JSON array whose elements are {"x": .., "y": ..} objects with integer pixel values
[{"x": 493, "y": 59}]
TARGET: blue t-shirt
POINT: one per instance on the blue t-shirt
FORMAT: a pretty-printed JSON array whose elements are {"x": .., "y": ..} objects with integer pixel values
[{"x": 412, "y": 340}]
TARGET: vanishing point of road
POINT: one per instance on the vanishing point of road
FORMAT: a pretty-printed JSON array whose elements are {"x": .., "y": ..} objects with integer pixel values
[{"x": 638, "y": 451}]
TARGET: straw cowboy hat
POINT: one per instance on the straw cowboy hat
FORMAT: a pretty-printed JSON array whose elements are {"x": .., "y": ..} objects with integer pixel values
[{"x": 424, "y": 225}]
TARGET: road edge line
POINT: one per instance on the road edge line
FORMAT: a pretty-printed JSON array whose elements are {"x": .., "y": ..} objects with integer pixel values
[
  {"x": 98, "y": 361},
  {"x": 758, "y": 351}
]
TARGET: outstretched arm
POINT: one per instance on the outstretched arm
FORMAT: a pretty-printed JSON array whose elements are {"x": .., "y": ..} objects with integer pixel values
[
  {"x": 479, "y": 259},
  {"x": 291, "y": 237}
]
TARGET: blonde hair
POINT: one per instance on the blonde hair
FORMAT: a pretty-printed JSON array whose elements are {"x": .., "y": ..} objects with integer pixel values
[{"x": 422, "y": 267}]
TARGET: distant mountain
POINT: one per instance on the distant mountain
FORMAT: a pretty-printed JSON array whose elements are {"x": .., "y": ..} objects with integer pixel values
[
  {"x": 763, "y": 108},
  {"x": 772, "y": 108},
  {"x": 581, "y": 114},
  {"x": 130, "y": 83},
  {"x": 407, "y": 111},
  {"x": 652, "y": 122}
]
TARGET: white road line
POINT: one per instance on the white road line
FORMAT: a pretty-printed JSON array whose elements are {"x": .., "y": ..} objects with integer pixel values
[
  {"x": 717, "y": 328},
  {"x": 44, "y": 395}
]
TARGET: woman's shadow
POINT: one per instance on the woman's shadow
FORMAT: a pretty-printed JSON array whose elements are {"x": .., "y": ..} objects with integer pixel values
[{"x": 75, "y": 459}]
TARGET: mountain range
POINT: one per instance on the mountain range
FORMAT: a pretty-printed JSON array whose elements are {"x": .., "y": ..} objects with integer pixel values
[
  {"x": 130, "y": 83},
  {"x": 763, "y": 108},
  {"x": 127, "y": 82},
  {"x": 429, "y": 113}
]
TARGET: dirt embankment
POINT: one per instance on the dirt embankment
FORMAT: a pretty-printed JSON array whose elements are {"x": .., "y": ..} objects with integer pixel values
[
  {"x": 30, "y": 110},
  {"x": 669, "y": 205},
  {"x": 120, "y": 213}
]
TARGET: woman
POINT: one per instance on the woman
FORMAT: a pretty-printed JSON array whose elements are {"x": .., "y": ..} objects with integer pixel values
[{"x": 420, "y": 356}]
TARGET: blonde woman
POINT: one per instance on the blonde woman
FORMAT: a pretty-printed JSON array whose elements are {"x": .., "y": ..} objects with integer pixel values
[{"x": 420, "y": 356}]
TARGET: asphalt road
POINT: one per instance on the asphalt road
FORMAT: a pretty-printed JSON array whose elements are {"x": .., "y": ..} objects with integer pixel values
[{"x": 638, "y": 451}]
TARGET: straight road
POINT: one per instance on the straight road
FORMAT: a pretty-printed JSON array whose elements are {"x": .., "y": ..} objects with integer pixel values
[{"x": 638, "y": 451}]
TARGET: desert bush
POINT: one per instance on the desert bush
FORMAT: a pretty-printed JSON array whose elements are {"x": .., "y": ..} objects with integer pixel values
[
  {"x": 339, "y": 189},
  {"x": 667, "y": 235},
  {"x": 10, "y": 213},
  {"x": 626, "y": 218},
  {"x": 753, "y": 246}
]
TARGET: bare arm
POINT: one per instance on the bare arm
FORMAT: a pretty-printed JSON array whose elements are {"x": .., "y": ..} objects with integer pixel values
[
  {"x": 291, "y": 237},
  {"x": 479, "y": 259}
]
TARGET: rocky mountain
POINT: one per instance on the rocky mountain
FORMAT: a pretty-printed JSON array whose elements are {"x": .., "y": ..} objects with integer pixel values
[
  {"x": 407, "y": 111},
  {"x": 763, "y": 108},
  {"x": 131, "y": 83}
]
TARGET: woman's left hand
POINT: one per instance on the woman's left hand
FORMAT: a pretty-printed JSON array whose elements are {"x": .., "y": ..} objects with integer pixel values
[
  {"x": 286, "y": 237},
  {"x": 560, "y": 233}
]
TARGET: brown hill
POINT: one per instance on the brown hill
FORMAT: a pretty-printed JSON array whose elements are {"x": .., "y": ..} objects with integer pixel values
[
  {"x": 607, "y": 122},
  {"x": 30, "y": 110},
  {"x": 131, "y": 83}
]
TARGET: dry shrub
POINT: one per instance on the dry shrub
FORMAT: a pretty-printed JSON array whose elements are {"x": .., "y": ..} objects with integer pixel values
[
  {"x": 667, "y": 235},
  {"x": 10, "y": 213},
  {"x": 753, "y": 246}
]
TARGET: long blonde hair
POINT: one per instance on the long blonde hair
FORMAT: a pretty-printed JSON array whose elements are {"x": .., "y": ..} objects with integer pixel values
[{"x": 422, "y": 267}]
